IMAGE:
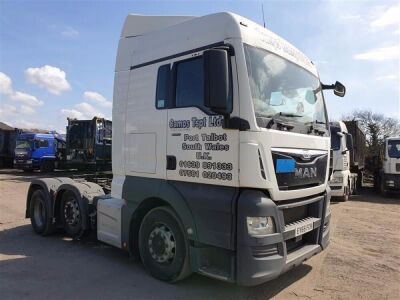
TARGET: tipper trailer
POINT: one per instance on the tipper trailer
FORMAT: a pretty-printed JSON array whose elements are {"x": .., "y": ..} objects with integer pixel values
[
  {"x": 8, "y": 137},
  {"x": 348, "y": 158},
  {"x": 220, "y": 154}
]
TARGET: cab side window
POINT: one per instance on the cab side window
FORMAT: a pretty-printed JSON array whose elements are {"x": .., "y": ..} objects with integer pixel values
[
  {"x": 189, "y": 88},
  {"x": 41, "y": 143},
  {"x": 162, "y": 89}
]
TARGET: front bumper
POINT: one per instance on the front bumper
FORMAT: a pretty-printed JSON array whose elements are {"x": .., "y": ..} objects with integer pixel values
[
  {"x": 260, "y": 259},
  {"x": 392, "y": 182},
  {"x": 24, "y": 165},
  {"x": 337, "y": 190}
]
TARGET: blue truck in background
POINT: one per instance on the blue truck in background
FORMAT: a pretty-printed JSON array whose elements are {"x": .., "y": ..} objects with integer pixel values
[{"x": 38, "y": 151}]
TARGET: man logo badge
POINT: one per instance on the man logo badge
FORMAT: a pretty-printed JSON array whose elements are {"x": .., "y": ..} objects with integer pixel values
[
  {"x": 306, "y": 156},
  {"x": 303, "y": 173}
]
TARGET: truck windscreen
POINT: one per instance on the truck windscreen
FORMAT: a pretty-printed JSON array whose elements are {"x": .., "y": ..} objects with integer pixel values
[
  {"x": 24, "y": 144},
  {"x": 394, "y": 148},
  {"x": 282, "y": 88}
]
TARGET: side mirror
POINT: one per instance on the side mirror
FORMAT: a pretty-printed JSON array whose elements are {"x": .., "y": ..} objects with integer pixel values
[
  {"x": 216, "y": 80},
  {"x": 338, "y": 88},
  {"x": 349, "y": 141}
]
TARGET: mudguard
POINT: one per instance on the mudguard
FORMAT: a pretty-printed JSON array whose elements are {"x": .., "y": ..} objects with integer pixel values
[{"x": 85, "y": 192}]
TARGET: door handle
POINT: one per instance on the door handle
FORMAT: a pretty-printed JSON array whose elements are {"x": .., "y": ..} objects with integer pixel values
[{"x": 171, "y": 162}]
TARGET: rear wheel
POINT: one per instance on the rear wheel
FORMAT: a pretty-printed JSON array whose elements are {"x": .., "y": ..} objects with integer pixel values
[
  {"x": 47, "y": 166},
  {"x": 71, "y": 214},
  {"x": 163, "y": 246},
  {"x": 345, "y": 197},
  {"x": 38, "y": 211},
  {"x": 354, "y": 186},
  {"x": 382, "y": 187}
]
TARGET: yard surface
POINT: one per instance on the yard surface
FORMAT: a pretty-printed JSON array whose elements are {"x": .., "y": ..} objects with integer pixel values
[{"x": 362, "y": 261}]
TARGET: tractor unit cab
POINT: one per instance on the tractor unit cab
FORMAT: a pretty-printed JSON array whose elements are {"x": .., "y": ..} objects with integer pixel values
[
  {"x": 37, "y": 151},
  {"x": 89, "y": 143},
  {"x": 220, "y": 152},
  {"x": 348, "y": 157},
  {"x": 390, "y": 161}
]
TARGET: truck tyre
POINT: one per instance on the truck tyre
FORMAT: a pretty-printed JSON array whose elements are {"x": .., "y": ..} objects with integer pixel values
[
  {"x": 382, "y": 188},
  {"x": 359, "y": 181},
  {"x": 354, "y": 189},
  {"x": 345, "y": 197},
  {"x": 163, "y": 246},
  {"x": 47, "y": 166},
  {"x": 39, "y": 213},
  {"x": 71, "y": 215}
]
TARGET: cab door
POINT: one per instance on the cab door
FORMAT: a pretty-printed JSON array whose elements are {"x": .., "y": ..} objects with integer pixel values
[{"x": 199, "y": 149}]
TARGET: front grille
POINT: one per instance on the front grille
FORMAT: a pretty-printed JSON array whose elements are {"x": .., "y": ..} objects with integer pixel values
[
  {"x": 296, "y": 187},
  {"x": 335, "y": 187},
  {"x": 294, "y": 214},
  {"x": 398, "y": 167},
  {"x": 292, "y": 244},
  {"x": 309, "y": 168}
]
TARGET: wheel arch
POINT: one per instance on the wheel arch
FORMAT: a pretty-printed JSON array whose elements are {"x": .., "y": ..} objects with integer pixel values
[
  {"x": 167, "y": 196},
  {"x": 136, "y": 220},
  {"x": 84, "y": 191}
]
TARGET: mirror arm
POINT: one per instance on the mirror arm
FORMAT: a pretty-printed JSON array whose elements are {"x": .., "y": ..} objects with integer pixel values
[
  {"x": 327, "y": 86},
  {"x": 226, "y": 121},
  {"x": 235, "y": 123}
]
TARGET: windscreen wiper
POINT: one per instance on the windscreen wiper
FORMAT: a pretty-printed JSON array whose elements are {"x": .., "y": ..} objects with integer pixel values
[
  {"x": 274, "y": 120},
  {"x": 315, "y": 128}
]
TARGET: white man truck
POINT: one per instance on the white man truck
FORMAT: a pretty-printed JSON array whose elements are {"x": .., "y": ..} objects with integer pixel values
[
  {"x": 220, "y": 154},
  {"x": 348, "y": 158}
]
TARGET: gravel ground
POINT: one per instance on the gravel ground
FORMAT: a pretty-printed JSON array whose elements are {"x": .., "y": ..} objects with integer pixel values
[{"x": 362, "y": 261}]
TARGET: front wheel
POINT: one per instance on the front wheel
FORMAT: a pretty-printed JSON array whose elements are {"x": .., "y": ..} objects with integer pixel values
[
  {"x": 163, "y": 246},
  {"x": 47, "y": 166},
  {"x": 382, "y": 187},
  {"x": 345, "y": 197}
]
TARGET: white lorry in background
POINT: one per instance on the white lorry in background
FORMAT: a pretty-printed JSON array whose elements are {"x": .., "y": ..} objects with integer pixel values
[
  {"x": 220, "y": 154},
  {"x": 348, "y": 158},
  {"x": 387, "y": 175}
]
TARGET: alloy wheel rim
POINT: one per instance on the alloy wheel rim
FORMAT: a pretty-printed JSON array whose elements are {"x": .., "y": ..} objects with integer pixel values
[{"x": 162, "y": 244}]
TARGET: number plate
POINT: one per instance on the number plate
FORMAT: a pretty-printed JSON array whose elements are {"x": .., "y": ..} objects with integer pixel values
[{"x": 304, "y": 228}]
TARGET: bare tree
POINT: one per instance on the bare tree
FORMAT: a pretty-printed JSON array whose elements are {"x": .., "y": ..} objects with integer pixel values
[{"x": 376, "y": 126}]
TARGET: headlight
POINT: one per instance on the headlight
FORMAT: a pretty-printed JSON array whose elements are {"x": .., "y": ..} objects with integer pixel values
[
  {"x": 337, "y": 180},
  {"x": 390, "y": 182},
  {"x": 260, "y": 225}
]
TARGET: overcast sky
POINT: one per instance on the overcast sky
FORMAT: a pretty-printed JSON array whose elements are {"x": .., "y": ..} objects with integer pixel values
[{"x": 57, "y": 57}]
